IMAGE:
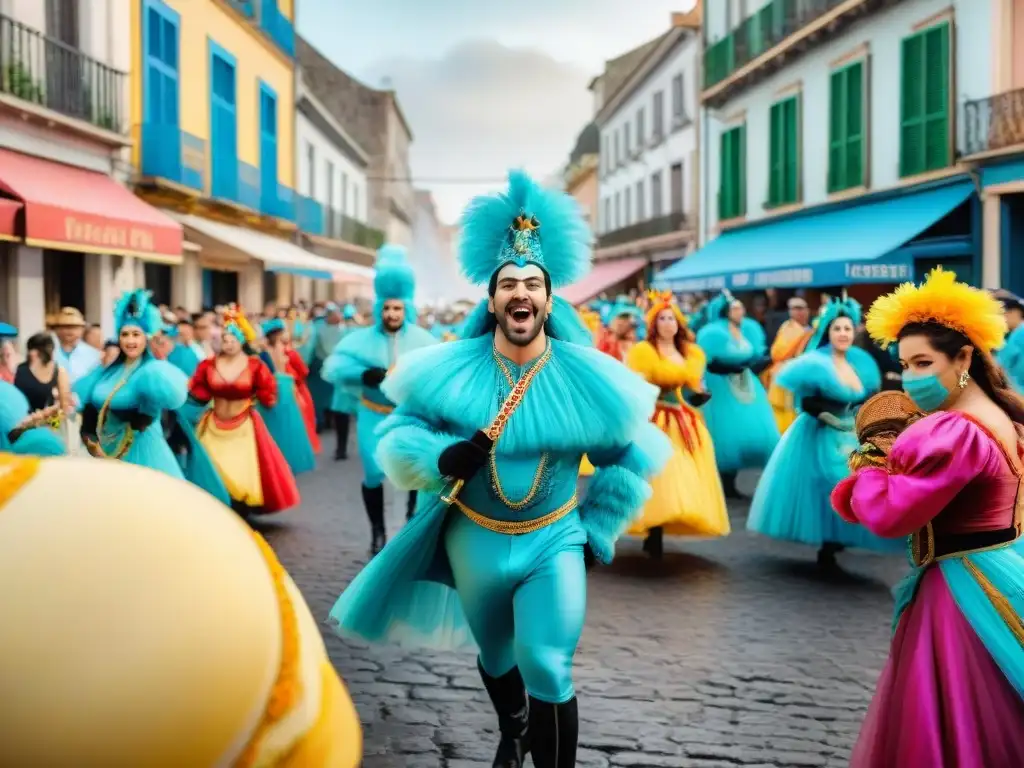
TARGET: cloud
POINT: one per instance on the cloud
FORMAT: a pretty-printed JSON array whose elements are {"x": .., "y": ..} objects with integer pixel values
[{"x": 483, "y": 108}]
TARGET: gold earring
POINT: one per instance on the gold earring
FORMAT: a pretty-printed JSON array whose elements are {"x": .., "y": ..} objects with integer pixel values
[{"x": 964, "y": 378}]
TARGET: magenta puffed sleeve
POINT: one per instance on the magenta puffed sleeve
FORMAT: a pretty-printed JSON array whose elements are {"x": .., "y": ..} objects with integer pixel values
[{"x": 930, "y": 463}]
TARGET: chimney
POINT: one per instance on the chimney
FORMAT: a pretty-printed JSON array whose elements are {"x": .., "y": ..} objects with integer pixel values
[{"x": 690, "y": 19}]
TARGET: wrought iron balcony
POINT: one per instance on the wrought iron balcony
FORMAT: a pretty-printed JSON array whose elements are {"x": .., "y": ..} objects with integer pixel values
[
  {"x": 338, "y": 226},
  {"x": 39, "y": 69},
  {"x": 994, "y": 123},
  {"x": 660, "y": 225}
]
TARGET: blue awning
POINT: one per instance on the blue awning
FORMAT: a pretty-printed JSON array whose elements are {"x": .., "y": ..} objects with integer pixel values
[{"x": 855, "y": 244}]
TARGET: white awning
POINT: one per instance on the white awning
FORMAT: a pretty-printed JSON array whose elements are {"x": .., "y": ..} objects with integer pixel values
[{"x": 277, "y": 255}]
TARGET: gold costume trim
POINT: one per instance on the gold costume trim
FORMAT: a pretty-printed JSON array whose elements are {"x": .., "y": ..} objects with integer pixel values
[
  {"x": 95, "y": 447},
  {"x": 369, "y": 405},
  {"x": 15, "y": 471},
  {"x": 516, "y": 527},
  {"x": 998, "y": 600},
  {"x": 287, "y": 686}
]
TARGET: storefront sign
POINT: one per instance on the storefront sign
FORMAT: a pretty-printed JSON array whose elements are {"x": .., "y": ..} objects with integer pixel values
[
  {"x": 872, "y": 272},
  {"x": 107, "y": 235},
  {"x": 817, "y": 275}
]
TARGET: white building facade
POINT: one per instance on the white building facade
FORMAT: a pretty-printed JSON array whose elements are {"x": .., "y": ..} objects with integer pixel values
[
  {"x": 848, "y": 109},
  {"x": 64, "y": 124},
  {"x": 647, "y": 199}
]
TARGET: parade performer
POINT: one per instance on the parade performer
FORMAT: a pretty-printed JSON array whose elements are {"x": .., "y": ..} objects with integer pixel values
[
  {"x": 248, "y": 460},
  {"x": 739, "y": 416},
  {"x": 27, "y": 431},
  {"x": 122, "y": 403},
  {"x": 828, "y": 383},
  {"x": 504, "y": 416},
  {"x": 687, "y": 498},
  {"x": 621, "y": 333},
  {"x": 172, "y": 595},
  {"x": 952, "y": 692},
  {"x": 1011, "y": 356},
  {"x": 327, "y": 332},
  {"x": 363, "y": 359},
  {"x": 284, "y": 419},
  {"x": 790, "y": 341}
]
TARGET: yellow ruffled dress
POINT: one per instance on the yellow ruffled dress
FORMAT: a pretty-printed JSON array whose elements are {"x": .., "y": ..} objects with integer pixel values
[
  {"x": 687, "y": 498},
  {"x": 789, "y": 343}
]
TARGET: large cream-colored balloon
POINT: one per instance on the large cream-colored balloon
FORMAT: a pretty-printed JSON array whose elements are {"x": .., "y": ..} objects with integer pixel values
[{"x": 139, "y": 624}]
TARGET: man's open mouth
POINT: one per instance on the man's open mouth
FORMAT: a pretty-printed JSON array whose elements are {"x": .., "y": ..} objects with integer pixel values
[{"x": 520, "y": 314}]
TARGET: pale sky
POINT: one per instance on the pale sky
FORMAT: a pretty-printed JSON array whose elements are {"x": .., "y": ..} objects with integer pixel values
[{"x": 486, "y": 85}]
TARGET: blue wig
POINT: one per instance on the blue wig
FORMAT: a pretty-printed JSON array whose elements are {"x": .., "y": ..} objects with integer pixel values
[
  {"x": 272, "y": 325},
  {"x": 525, "y": 225},
  {"x": 394, "y": 280},
  {"x": 134, "y": 309},
  {"x": 829, "y": 312}
]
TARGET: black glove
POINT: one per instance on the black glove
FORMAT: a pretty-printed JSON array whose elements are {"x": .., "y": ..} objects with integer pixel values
[
  {"x": 815, "y": 406},
  {"x": 589, "y": 561},
  {"x": 372, "y": 377},
  {"x": 464, "y": 459},
  {"x": 724, "y": 369},
  {"x": 137, "y": 420},
  {"x": 759, "y": 364},
  {"x": 90, "y": 422},
  {"x": 697, "y": 399}
]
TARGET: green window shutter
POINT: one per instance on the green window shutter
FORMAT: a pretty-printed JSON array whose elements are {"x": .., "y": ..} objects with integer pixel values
[
  {"x": 724, "y": 176},
  {"x": 936, "y": 98},
  {"x": 791, "y": 139},
  {"x": 741, "y": 170},
  {"x": 837, "y": 122},
  {"x": 775, "y": 152},
  {"x": 912, "y": 154},
  {"x": 855, "y": 128}
]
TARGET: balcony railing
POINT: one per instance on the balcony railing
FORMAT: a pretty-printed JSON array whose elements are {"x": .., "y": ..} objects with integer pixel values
[
  {"x": 660, "y": 225},
  {"x": 170, "y": 153},
  {"x": 338, "y": 226},
  {"x": 994, "y": 123},
  {"x": 44, "y": 71},
  {"x": 759, "y": 32}
]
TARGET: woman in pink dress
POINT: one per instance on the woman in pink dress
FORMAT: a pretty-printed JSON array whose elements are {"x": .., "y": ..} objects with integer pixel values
[{"x": 952, "y": 692}]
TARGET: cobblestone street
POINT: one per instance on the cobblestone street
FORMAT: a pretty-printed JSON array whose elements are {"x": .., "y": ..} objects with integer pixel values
[{"x": 727, "y": 653}]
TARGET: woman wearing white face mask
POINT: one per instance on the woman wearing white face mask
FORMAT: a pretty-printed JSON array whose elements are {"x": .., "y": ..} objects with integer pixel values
[
  {"x": 952, "y": 692},
  {"x": 829, "y": 382}
]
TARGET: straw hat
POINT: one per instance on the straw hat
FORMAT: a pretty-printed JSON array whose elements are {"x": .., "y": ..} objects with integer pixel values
[{"x": 68, "y": 317}]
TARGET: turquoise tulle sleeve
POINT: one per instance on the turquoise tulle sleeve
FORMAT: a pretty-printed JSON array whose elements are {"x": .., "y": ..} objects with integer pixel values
[
  {"x": 160, "y": 387},
  {"x": 13, "y": 407},
  {"x": 754, "y": 333},
  {"x": 343, "y": 370},
  {"x": 619, "y": 488},
  {"x": 82, "y": 389},
  {"x": 814, "y": 374},
  {"x": 409, "y": 449},
  {"x": 717, "y": 343},
  {"x": 39, "y": 441}
]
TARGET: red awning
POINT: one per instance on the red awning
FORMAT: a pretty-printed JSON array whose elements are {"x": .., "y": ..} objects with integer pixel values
[
  {"x": 72, "y": 209},
  {"x": 603, "y": 276},
  {"x": 9, "y": 219}
]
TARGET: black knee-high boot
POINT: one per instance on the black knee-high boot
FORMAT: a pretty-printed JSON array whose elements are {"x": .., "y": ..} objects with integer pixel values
[
  {"x": 373, "y": 498},
  {"x": 508, "y": 695},
  {"x": 654, "y": 544},
  {"x": 410, "y": 505},
  {"x": 729, "y": 485},
  {"x": 554, "y": 733},
  {"x": 341, "y": 425}
]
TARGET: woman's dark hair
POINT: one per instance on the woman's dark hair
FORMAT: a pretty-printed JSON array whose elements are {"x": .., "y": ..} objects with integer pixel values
[
  {"x": 42, "y": 345},
  {"x": 988, "y": 374},
  {"x": 727, "y": 307},
  {"x": 273, "y": 336},
  {"x": 823, "y": 341}
]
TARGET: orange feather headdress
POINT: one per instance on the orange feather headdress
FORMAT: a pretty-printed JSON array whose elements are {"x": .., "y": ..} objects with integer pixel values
[
  {"x": 939, "y": 299},
  {"x": 660, "y": 301},
  {"x": 236, "y": 322}
]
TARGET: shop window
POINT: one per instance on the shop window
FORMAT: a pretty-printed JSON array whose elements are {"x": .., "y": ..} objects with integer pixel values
[
  {"x": 924, "y": 102},
  {"x": 732, "y": 189},
  {"x": 784, "y": 152},
  {"x": 847, "y": 156},
  {"x": 158, "y": 280},
  {"x": 64, "y": 281}
]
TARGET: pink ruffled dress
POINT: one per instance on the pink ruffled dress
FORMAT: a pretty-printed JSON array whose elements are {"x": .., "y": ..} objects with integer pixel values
[{"x": 952, "y": 692}]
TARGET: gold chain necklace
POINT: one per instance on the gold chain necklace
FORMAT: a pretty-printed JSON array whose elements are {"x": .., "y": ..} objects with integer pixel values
[{"x": 96, "y": 447}]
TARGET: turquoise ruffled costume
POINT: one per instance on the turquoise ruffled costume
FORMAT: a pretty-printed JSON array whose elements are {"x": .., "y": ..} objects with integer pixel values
[
  {"x": 738, "y": 415},
  {"x": 1011, "y": 357},
  {"x": 792, "y": 498},
  {"x": 37, "y": 441},
  {"x": 285, "y": 424}
]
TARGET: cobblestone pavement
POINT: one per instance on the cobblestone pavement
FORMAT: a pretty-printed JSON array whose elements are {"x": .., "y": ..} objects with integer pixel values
[{"x": 727, "y": 653}]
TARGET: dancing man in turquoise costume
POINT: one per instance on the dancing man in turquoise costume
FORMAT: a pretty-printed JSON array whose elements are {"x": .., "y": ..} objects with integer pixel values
[
  {"x": 362, "y": 360},
  {"x": 493, "y": 428}
]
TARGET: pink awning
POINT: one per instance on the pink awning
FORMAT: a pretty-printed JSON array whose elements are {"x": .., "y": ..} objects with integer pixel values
[{"x": 603, "y": 276}]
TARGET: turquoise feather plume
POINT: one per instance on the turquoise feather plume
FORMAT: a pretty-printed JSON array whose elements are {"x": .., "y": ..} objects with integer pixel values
[
  {"x": 830, "y": 310},
  {"x": 134, "y": 308},
  {"x": 395, "y": 280}
]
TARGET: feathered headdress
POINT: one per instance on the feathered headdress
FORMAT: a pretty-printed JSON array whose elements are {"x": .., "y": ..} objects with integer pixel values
[
  {"x": 237, "y": 324},
  {"x": 134, "y": 308},
  {"x": 273, "y": 325},
  {"x": 939, "y": 299},
  {"x": 830, "y": 310},
  {"x": 525, "y": 225},
  {"x": 660, "y": 301},
  {"x": 718, "y": 307},
  {"x": 394, "y": 280}
]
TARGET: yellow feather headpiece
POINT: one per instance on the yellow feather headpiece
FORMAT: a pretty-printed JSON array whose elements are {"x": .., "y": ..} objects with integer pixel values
[
  {"x": 939, "y": 299},
  {"x": 661, "y": 300},
  {"x": 234, "y": 315}
]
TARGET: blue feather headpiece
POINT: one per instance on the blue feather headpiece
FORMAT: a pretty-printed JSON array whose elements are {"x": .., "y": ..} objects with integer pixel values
[
  {"x": 349, "y": 312},
  {"x": 134, "y": 309},
  {"x": 272, "y": 325},
  {"x": 525, "y": 225},
  {"x": 718, "y": 307},
  {"x": 394, "y": 280},
  {"x": 829, "y": 312}
]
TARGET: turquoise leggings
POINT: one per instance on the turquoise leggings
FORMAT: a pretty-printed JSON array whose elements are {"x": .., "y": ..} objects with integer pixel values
[
  {"x": 525, "y": 598},
  {"x": 366, "y": 425}
]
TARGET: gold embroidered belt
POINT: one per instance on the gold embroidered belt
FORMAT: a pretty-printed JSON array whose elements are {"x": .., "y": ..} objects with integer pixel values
[
  {"x": 516, "y": 527},
  {"x": 380, "y": 408}
]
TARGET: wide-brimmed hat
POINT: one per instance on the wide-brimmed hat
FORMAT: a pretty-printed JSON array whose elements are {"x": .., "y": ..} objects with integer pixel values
[{"x": 68, "y": 317}]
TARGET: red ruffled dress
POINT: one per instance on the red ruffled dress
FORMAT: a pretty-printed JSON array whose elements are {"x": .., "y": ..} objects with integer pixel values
[
  {"x": 299, "y": 371},
  {"x": 241, "y": 448}
]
